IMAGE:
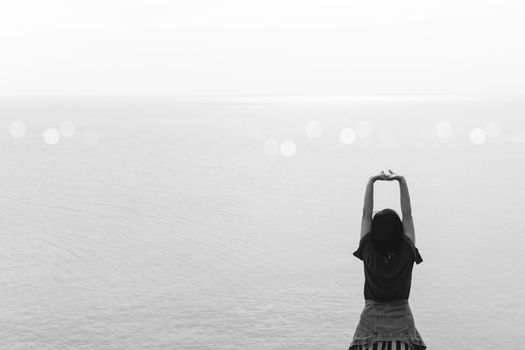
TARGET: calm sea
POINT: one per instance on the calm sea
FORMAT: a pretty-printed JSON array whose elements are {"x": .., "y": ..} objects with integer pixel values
[{"x": 179, "y": 224}]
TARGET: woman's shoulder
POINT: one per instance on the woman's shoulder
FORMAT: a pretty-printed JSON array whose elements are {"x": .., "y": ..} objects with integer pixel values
[{"x": 365, "y": 247}]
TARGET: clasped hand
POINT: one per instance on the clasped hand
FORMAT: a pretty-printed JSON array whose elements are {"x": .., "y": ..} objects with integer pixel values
[{"x": 386, "y": 176}]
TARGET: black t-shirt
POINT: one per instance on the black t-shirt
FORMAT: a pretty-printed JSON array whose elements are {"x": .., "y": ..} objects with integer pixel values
[{"x": 387, "y": 278}]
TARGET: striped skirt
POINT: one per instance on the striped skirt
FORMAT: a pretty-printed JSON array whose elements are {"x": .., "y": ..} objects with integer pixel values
[
  {"x": 387, "y": 326},
  {"x": 385, "y": 345}
]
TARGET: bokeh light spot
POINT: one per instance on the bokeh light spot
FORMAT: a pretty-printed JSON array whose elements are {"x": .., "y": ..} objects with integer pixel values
[
  {"x": 288, "y": 148},
  {"x": 51, "y": 136},
  {"x": 477, "y": 136},
  {"x": 271, "y": 147},
  {"x": 313, "y": 129},
  {"x": 17, "y": 129},
  {"x": 493, "y": 129},
  {"x": 347, "y": 136},
  {"x": 443, "y": 129},
  {"x": 67, "y": 129}
]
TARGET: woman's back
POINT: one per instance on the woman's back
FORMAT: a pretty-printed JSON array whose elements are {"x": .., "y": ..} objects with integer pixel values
[{"x": 387, "y": 276}]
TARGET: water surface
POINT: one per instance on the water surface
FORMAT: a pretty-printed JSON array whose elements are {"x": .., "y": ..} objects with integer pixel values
[{"x": 172, "y": 228}]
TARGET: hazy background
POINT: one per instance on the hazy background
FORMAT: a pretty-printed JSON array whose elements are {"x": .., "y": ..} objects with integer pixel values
[
  {"x": 191, "y": 175},
  {"x": 284, "y": 47}
]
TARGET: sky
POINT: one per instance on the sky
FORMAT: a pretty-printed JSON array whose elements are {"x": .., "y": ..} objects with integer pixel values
[{"x": 278, "y": 48}]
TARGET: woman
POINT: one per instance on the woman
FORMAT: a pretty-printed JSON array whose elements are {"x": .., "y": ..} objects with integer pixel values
[{"x": 387, "y": 249}]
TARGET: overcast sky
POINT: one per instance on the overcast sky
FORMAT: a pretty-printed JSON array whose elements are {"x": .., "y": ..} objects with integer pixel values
[{"x": 283, "y": 47}]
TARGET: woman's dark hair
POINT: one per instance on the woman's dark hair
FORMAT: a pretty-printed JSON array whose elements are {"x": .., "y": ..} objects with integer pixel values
[{"x": 387, "y": 231}]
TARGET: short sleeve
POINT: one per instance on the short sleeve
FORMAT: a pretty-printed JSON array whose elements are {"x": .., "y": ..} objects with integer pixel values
[
  {"x": 360, "y": 252},
  {"x": 415, "y": 252}
]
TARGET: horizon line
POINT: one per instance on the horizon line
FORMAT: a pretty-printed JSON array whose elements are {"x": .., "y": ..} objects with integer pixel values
[{"x": 276, "y": 98}]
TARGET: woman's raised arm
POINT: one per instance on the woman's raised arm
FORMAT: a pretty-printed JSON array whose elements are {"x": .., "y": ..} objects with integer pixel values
[
  {"x": 406, "y": 209},
  {"x": 368, "y": 207},
  {"x": 366, "y": 222}
]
